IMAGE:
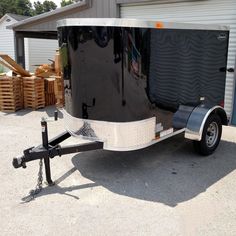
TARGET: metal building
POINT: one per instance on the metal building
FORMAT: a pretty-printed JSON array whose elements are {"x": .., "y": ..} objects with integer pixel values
[
  {"x": 37, "y": 51},
  {"x": 192, "y": 11}
]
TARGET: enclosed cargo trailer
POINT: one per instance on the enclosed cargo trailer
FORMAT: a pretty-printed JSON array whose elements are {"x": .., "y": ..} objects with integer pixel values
[
  {"x": 129, "y": 84},
  {"x": 126, "y": 80}
]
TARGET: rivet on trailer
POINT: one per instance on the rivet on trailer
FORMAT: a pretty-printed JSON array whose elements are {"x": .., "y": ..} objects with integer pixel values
[{"x": 129, "y": 84}]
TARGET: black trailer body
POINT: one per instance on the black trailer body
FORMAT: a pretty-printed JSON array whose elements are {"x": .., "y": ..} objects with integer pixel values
[
  {"x": 125, "y": 79},
  {"x": 127, "y": 71}
]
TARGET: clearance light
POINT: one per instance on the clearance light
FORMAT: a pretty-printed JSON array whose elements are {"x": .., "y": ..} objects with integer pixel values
[{"x": 159, "y": 25}]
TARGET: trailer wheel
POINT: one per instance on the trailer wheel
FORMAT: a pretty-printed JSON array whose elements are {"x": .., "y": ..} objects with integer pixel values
[{"x": 211, "y": 136}]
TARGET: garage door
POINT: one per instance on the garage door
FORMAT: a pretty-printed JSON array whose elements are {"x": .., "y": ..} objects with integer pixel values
[{"x": 207, "y": 11}]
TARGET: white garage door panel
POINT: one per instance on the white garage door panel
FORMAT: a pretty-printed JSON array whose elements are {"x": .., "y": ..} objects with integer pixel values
[
  {"x": 205, "y": 12},
  {"x": 38, "y": 51}
]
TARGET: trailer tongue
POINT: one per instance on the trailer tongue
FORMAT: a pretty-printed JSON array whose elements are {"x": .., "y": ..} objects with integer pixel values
[{"x": 51, "y": 148}]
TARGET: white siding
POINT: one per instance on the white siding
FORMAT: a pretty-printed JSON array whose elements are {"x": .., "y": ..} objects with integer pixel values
[
  {"x": 7, "y": 38},
  {"x": 208, "y": 11},
  {"x": 38, "y": 51}
]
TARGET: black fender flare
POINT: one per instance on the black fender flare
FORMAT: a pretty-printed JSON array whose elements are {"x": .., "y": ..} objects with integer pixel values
[{"x": 198, "y": 118}]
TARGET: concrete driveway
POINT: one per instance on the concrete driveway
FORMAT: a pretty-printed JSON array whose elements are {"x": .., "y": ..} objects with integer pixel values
[{"x": 166, "y": 189}]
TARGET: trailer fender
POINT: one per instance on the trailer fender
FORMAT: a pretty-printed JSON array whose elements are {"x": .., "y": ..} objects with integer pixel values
[{"x": 198, "y": 119}]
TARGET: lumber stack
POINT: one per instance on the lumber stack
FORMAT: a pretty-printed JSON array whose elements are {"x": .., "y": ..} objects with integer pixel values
[
  {"x": 34, "y": 96},
  {"x": 59, "y": 82},
  {"x": 59, "y": 91},
  {"x": 44, "y": 71},
  {"x": 57, "y": 63},
  {"x": 49, "y": 91},
  {"x": 11, "y": 94},
  {"x": 45, "y": 87}
]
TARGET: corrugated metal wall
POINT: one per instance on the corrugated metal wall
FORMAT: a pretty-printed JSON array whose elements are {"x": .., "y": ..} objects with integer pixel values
[
  {"x": 46, "y": 50},
  {"x": 100, "y": 8},
  {"x": 208, "y": 11}
]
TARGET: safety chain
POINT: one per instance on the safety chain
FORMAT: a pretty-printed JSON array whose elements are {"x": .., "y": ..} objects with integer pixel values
[{"x": 39, "y": 186}]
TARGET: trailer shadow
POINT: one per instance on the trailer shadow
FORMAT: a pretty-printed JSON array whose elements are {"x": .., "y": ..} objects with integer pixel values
[
  {"x": 169, "y": 173},
  {"x": 49, "y": 110}
]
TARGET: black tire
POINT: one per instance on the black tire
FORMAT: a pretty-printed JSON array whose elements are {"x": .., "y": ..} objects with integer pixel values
[{"x": 210, "y": 140}]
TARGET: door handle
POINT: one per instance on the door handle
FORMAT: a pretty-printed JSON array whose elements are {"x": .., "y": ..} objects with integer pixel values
[
  {"x": 223, "y": 69},
  {"x": 230, "y": 70}
]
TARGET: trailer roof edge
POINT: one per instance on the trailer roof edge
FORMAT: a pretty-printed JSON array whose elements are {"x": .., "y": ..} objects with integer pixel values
[{"x": 118, "y": 22}]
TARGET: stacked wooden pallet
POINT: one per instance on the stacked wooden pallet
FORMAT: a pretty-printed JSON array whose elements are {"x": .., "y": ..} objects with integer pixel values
[
  {"x": 34, "y": 96},
  {"x": 35, "y": 91},
  {"x": 11, "y": 94},
  {"x": 49, "y": 91}
]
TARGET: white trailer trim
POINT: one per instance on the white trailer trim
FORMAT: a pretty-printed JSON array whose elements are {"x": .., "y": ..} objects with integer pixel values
[{"x": 137, "y": 23}]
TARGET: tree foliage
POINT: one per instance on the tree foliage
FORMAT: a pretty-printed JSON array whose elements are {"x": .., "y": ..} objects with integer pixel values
[
  {"x": 6, "y": 6},
  {"x": 46, "y": 6},
  {"x": 66, "y": 2},
  {"x": 24, "y": 7}
]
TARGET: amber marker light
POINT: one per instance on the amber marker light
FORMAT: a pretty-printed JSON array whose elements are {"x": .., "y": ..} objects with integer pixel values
[{"x": 159, "y": 25}]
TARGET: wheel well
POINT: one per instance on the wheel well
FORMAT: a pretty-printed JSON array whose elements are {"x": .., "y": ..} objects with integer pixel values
[
  {"x": 222, "y": 114},
  {"x": 198, "y": 118}
]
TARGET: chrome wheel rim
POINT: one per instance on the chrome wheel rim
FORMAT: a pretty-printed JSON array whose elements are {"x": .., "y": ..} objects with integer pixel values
[{"x": 212, "y": 134}]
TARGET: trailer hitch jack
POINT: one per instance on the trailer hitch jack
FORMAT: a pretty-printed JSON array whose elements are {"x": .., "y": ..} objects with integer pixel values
[{"x": 51, "y": 148}]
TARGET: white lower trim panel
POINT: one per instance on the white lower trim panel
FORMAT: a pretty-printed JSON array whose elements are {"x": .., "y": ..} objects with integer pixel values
[{"x": 117, "y": 136}]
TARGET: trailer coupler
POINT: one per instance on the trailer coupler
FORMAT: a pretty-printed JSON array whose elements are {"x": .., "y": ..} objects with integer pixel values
[{"x": 50, "y": 149}]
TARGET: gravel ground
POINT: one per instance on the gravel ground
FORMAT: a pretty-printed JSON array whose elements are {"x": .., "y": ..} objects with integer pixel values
[{"x": 163, "y": 190}]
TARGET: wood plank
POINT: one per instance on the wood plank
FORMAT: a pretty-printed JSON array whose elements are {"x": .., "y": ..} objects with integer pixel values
[
  {"x": 19, "y": 69},
  {"x": 58, "y": 63},
  {"x": 8, "y": 66}
]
